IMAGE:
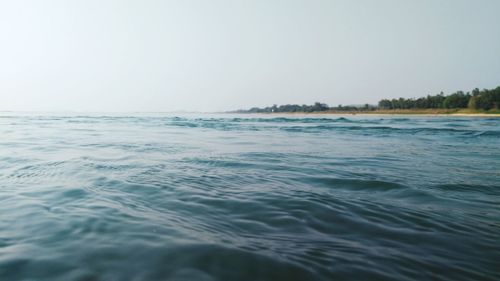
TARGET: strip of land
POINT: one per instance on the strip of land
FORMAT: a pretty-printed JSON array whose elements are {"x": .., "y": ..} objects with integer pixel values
[
  {"x": 430, "y": 112},
  {"x": 392, "y": 112},
  {"x": 475, "y": 103}
]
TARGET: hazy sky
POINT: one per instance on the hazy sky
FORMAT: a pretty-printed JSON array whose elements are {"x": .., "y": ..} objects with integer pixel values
[{"x": 204, "y": 55}]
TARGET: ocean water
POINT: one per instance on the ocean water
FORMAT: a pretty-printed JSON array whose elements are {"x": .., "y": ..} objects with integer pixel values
[{"x": 248, "y": 197}]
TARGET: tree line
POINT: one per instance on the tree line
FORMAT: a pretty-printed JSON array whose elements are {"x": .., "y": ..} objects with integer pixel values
[{"x": 476, "y": 99}]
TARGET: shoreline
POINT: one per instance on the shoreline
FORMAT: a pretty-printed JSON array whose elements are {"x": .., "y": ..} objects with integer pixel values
[
  {"x": 381, "y": 113},
  {"x": 494, "y": 115}
]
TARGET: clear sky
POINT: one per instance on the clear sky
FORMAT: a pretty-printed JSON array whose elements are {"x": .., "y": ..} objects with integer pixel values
[{"x": 145, "y": 55}]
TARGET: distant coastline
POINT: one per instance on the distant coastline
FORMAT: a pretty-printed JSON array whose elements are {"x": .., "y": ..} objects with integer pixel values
[
  {"x": 464, "y": 113},
  {"x": 430, "y": 112},
  {"x": 475, "y": 103}
]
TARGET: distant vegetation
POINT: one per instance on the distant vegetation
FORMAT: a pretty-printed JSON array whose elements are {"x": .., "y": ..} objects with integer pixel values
[
  {"x": 476, "y": 100},
  {"x": 482, "y": 100}
]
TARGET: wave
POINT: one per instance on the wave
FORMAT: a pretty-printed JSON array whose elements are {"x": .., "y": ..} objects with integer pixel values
[{"x": 236, "y": 198}]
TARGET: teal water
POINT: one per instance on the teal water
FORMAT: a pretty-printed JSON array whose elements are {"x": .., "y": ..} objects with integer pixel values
[{"x": 249, "y": 197}]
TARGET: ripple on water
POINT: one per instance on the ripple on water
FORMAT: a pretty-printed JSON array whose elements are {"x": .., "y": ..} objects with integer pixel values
[{"x": 249, "y": 198}]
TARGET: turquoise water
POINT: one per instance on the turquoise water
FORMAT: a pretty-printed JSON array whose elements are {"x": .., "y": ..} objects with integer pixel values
[{"x": 249, "y": 197}]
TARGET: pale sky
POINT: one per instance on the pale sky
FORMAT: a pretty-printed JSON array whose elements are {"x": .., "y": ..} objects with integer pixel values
[{"x": 200, "y": 55}]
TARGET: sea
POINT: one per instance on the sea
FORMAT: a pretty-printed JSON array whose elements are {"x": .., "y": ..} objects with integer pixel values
[{"x": 185, "y": 196}]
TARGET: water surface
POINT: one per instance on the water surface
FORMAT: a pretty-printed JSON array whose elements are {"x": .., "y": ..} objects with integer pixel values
[{"x": 248, "y": 197}]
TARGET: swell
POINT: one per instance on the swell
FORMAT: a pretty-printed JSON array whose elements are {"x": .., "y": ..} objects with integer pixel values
[
  {"x": 307, "y": 125},
  {"x": 295, "y": 125},
  {"x": 392, "y": 130},
  {"x": 354, "y": 184},
  {"x": 195, "y": 199}
]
